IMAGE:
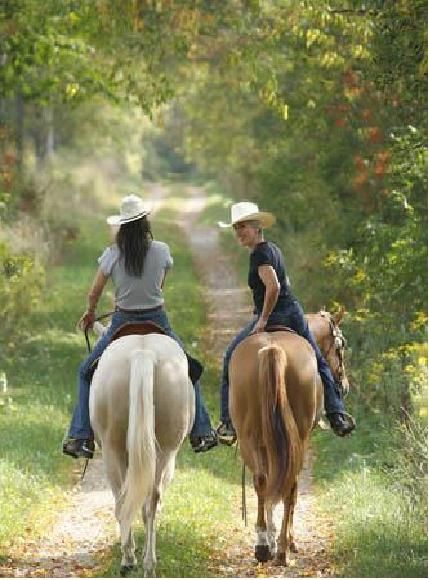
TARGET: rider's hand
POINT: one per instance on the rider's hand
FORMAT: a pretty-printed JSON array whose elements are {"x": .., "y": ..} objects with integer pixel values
[
  {"x": 259, "y": 326},
  {"x": 87, "y": 320}
]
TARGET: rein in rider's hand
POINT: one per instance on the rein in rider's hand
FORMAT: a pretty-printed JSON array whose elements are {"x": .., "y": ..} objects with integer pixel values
[{"x": 87, "y": 320}]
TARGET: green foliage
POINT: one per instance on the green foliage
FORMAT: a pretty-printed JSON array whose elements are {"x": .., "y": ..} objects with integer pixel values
[
  {"x": 70, "y": 51},
  {"x": 401, "y": 30},
  {"x": 45, "y": 56},
  {"x": 385, "y": 272},
  {"x": 161, "y": 157},
  {"x": 40, "y": 369},
  {"x": 21, "y": 285}
]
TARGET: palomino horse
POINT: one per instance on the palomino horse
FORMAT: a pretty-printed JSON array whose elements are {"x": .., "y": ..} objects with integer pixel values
[
  {"x": 142, "y": 407},
  {"x": 276, "y": 398}
]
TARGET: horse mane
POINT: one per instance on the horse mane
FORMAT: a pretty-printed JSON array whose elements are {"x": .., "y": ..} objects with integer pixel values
[{"x": 281, "y": 439}]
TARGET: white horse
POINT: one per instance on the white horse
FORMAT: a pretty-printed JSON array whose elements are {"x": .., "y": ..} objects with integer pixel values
[{"x": 142, "y": 406}]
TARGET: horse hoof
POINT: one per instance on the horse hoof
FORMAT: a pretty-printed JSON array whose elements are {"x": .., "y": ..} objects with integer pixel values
[
  {"x": 125, "y": 570},
  {"x": 262, "y": 553},
  {"x": 281, "y": 559}
]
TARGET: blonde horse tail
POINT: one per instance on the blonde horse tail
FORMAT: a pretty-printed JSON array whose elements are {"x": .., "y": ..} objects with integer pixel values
[
  {"x": 141, "y": 440},
  {"x": 280, "y": 433}
]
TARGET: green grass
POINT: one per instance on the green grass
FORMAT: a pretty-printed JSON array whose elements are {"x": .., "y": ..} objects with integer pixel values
[
  {"x": 35, "y": 411},
  {"x": 380, "y": 524}
]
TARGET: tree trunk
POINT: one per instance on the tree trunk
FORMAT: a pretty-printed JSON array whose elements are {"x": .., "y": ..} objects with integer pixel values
[
  {"x": 19, "y": 132},
  {"x": 48, "y": 114}
]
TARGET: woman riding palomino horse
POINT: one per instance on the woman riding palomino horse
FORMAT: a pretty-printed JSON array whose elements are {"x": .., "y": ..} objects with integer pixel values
[
  {"x": 137, "y": 265},
  {"x": 274, "y": 304}
]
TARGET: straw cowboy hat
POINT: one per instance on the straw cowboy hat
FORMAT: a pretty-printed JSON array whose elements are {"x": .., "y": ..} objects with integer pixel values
[
  {"x": 132, "y": 208},
  {"x": 245, "y": 211}
]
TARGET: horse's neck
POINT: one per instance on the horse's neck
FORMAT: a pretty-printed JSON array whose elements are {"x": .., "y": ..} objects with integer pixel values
[{"x": 319, "y": 327}]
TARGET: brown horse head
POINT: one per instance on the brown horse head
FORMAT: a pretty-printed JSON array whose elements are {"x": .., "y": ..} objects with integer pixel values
[{"x": 325, "y": 328}]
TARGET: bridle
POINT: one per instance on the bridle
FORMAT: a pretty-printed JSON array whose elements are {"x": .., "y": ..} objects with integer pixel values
[{"x": 339, "y": 344}]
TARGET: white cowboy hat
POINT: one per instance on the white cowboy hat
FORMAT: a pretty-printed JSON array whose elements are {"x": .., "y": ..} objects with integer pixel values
[
  {"x": 245, "y": 211},
  {"x": 132, "y": 208}
]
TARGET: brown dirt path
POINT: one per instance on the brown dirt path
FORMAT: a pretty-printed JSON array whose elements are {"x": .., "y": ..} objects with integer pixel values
[{"x": 83, "y": 532}]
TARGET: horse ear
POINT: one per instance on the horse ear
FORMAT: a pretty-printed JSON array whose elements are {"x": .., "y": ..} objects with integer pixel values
[{"x": 338, "y": 316}]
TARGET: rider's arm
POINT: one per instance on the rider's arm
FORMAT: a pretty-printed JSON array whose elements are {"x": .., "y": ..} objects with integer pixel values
[
  {"x": 98, "y": 284},
  {"x": 272, "y": 288},
  {"x": 96, "y": 290}
]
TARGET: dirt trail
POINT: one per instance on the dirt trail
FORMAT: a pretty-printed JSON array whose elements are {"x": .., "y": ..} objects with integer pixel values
[{"x": 85, "y": 529}]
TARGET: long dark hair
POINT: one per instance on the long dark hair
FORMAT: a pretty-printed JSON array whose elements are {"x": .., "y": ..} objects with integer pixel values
[{"x": 133, "y": 240}]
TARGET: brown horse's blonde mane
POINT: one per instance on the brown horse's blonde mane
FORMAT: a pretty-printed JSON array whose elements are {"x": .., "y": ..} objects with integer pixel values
[{"x": 280, "y": 433}]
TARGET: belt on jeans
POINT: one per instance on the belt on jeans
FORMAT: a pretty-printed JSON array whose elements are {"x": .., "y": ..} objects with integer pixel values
[{"x": 141, "y": 310}]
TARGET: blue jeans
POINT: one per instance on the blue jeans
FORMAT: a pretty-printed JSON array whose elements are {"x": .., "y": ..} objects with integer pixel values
[
  {"x": 80, "y": 427},
  {"x": 293, "y": 317}
]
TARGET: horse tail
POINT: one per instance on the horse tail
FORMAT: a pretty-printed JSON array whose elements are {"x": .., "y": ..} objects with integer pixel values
[
  {"x": 280, "y": 433},
  {"x": 141, "y": 440}
]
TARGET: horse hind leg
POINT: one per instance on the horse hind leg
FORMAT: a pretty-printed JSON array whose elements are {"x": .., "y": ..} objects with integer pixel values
[
  {"x": 291, "y": 540},
  {"x": 164, "y": 474},
  {"x": 285, "y": 533},
  {"x": 271, "y": 530},
  {"x": 262, "y": 548},
  {"x": 149, "y": 549},
  {"x": 115, "y": 465}
]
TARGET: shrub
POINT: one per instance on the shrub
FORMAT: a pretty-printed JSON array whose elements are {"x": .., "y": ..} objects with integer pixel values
[{"x": 22, "y": 279}]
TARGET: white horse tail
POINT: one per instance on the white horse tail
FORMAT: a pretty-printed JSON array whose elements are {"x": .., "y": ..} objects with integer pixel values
[{"x": 141, "y": 440}]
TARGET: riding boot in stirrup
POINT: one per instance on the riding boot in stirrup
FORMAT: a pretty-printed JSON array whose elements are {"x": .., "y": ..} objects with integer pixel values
[
  {"x": 226, "y": 433},
  {"x": 79, "y": 448}
]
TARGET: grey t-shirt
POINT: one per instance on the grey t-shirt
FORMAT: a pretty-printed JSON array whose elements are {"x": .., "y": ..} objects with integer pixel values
[{"x": 137, "y": 293}]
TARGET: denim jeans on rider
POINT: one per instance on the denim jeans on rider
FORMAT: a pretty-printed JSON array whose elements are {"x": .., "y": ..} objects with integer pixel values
[
  {"x": 293, "y": 317},
  {"x": 80, "y": 427}
]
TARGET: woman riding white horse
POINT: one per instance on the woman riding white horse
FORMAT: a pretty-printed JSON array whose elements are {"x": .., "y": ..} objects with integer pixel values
[{"x": 137, "y": 265}]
